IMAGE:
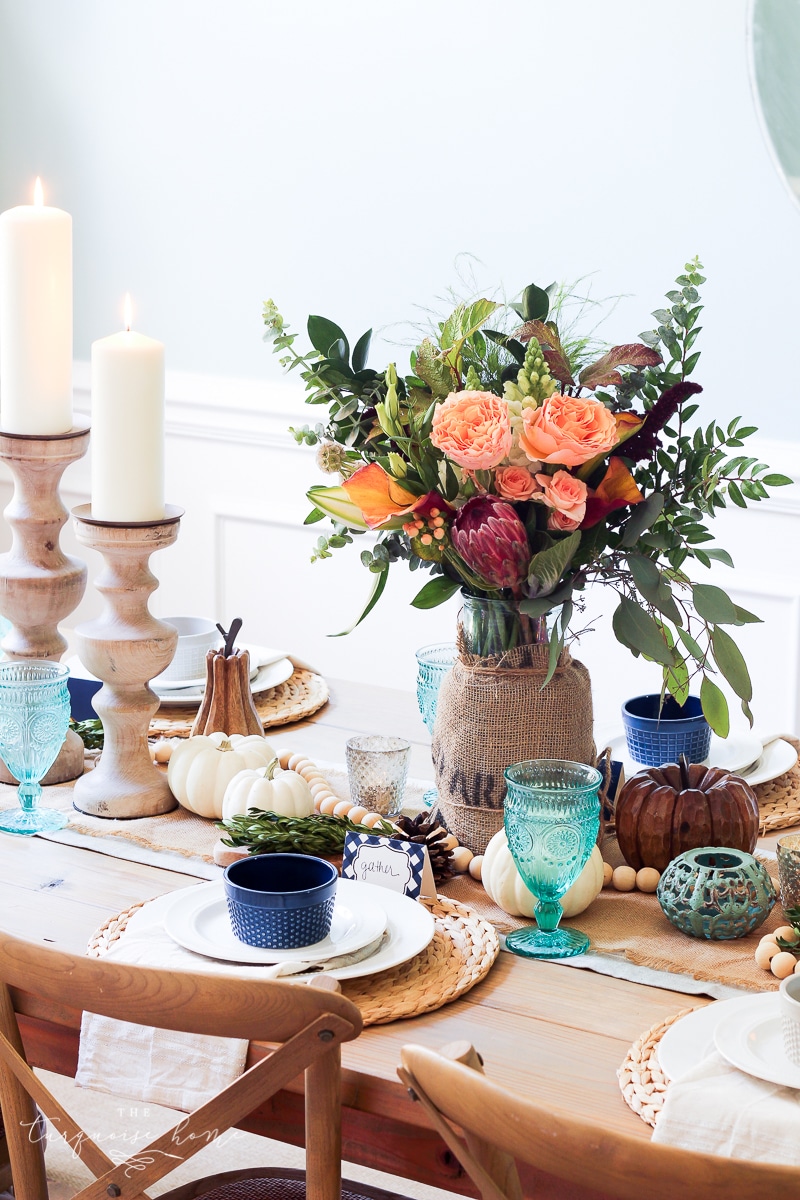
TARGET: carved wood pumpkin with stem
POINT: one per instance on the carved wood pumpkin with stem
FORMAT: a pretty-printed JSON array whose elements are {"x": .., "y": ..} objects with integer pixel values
[
  {"x": 227, "y": 705},
  {"x": 664, "y": 811}
]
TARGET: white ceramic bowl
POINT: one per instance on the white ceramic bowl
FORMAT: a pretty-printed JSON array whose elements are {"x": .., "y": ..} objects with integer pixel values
[
  {"x": 790, "y": 1017},
  {"x": 196, "y": 636}
]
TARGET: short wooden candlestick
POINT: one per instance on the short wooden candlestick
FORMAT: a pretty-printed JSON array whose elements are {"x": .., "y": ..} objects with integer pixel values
[
  {"x": 39, "y": 584},
  {"x": 126, "y": 647}
]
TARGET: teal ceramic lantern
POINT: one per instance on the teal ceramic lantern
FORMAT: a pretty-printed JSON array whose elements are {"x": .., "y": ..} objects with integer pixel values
[{"x": 716, "y": 893}]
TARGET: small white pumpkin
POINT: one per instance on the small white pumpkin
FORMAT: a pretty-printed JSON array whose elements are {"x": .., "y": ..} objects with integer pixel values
[
  {"x": 269, "y": 789},
  {"x": 505, "y": 885},
  {"x": 201, "y": 768}
]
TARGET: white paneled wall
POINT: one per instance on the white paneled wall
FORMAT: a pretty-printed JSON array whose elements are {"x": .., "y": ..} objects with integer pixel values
[{"x": 243, "y": 551}]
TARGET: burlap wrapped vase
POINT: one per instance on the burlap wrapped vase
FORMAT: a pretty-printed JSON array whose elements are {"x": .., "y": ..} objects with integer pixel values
[{"x": 492, "y": 712}]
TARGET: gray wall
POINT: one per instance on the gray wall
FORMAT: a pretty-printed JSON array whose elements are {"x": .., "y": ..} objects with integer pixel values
[{"x": 339, "y": 158}]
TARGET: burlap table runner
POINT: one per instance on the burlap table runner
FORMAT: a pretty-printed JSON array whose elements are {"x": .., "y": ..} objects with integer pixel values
[{"x": 631, "y": 925}]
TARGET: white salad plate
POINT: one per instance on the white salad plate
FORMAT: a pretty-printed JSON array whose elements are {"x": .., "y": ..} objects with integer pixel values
[
  {"x": 752, "y": 1040},
  {"x": 198, "y": 920},
  {"x": 688, "y": 1041},
  {"x": 742, "y": 753},
  {"x": 268, "y": 676},
  {"x": 409, "y": 929}
]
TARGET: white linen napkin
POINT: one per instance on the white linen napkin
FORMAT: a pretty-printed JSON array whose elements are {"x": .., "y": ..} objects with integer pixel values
[
  {"x": 717, "y": 1109},
  {"x": 178, "y": 1070}
]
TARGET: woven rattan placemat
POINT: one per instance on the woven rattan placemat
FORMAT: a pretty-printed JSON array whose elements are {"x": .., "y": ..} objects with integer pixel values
[
  {"x": 641, "y": 1080},
  {"x": 462, "y": 952},
  {"x": 300, "y": 696},
  {"x": 779, "y": 800}
]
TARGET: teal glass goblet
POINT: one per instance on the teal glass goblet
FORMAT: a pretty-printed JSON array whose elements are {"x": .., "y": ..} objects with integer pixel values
[
  {"x": 34, "y": 718},
  {"x": 433, "y": 663},
  {"x": 552, "y": 816}
]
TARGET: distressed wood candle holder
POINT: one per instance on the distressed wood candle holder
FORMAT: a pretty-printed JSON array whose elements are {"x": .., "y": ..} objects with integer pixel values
[
  {"x": 39, "y": 584},
  {"x": 126, "y": 647}
]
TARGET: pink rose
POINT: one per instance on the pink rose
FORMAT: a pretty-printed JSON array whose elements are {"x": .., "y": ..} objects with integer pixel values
[
  {"x": 515, "y": 483},
  {"x": 566, "y": 495},
  {"x": 568, "y": 430},
  {"x": 561, "y": 522},
  {"x": 473, "y": 429}
]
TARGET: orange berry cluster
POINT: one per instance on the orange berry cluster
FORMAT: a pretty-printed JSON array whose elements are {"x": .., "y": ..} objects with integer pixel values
[{"x": 428, "y": 530}]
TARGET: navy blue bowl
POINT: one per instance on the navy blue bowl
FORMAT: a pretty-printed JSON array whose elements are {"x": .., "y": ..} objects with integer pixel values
[
  {"x": 658, "y": 733},
  {"x": 81, "y": 694},
  {"x": 280, "y": 901}
]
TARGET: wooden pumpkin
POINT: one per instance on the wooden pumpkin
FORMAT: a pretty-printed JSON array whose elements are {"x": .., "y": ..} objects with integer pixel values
[
  {"x": 269, "y": 789},
  {"x": 227, "y": 700},
  {"x": 506, "y": 887},
  {"x": 664, "y": 811},
  {"x": 201, "y": 768}
]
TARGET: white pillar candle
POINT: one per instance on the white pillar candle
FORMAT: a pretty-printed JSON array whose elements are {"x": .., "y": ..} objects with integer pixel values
[
  {"x": 35, "y": 318},
  {"x": 127, "y": 427}
]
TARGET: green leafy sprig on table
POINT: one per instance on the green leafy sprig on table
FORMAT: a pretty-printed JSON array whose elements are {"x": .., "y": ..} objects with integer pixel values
[
  {"x": 687, "y": 471},
  {"x": 90, "y": 732},
  {"x": 270, "y": 833}
]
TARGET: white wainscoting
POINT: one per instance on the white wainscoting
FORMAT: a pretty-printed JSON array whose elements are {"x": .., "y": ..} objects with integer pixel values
[{"x": 243, "y": 551}]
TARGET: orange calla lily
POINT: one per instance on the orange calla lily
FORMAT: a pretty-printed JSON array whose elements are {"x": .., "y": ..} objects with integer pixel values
[
  {"x": 378, "y": 495},
  {"x": 617, "y": 489}
]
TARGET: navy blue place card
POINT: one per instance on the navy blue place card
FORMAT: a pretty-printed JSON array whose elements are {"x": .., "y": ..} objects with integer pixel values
[{"x": 388, "y": 862}]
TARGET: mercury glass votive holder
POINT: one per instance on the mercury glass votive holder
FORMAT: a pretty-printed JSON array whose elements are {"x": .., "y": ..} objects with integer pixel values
[
  {"x": 377, "y": 768},
  {"x": 788, "y": 852}
]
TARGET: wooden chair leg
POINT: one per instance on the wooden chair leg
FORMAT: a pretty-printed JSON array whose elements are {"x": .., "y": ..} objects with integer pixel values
[
  {"x": 323, "y": 1080},
  {"x": 20, "y": 1118}
]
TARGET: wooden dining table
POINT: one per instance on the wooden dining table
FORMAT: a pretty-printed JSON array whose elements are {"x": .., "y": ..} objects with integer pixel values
[{"x": 546, "y": 1030}]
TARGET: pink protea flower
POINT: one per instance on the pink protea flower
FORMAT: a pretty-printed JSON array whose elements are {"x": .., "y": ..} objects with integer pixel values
[{"x": 491, "y": 539}]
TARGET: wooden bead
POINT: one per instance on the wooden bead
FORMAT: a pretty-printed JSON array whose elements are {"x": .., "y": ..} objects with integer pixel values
[
  {"x": 797, "y": 968},
  {"x": 608, "y": 871},
  {"x": 461, "y": 859},
  {"x": 765, "y": 952},
  {"x": 316, "y": 788},
  {"x": 343, "y": 808},
  {"x": 283, "y": 757},
  {"x": 647, "y": 879},
  {"x": 783, "y": 964},
  {"x": 162, "y": 751},
  {"x": 321, "y": 797},
  {"x": 624, "y": 879},
  {"x": 327, "y": 806},
  {"x": 296, "y": 761},
  {"x": 357, "y": 814},
  {"x": 450, "y": 842},
  {"x": 787, "y": 933},
  {"x": 476, "y": 866},
  {"x": 372, "y": 819}
]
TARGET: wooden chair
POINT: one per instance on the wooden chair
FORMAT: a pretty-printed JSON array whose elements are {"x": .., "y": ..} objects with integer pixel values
[
  {"x": 307, "y": 1025},
  {"x": 498, "y": 1127}
]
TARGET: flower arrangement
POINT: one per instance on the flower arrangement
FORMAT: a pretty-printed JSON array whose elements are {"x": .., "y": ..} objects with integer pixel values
[{"x": 516, "y": 463}]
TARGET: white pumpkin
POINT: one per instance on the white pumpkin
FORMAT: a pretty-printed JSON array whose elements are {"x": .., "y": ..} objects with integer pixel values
[
  {"x": 505, "y": 885},
  {"x": 201, "y": 768},
  {"x": 269, "y": 789}
]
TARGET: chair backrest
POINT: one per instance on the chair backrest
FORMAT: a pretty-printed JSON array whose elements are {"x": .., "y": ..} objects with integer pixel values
[
  {"x": 309, "y": 1022},
  {"x": 497, "y": 1124}
]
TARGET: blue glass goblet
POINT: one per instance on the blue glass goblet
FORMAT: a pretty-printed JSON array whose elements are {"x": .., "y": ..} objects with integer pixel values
[
  {"x": 34, "y": 718},
  {"x": 433, "y": 663},
  {"x": 552, "y": 815}
]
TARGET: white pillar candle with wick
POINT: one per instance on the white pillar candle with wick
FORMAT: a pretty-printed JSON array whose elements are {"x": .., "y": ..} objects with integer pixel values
[
  {"x": 127, "y": 427},
  {"x": 35, "y": 318}
]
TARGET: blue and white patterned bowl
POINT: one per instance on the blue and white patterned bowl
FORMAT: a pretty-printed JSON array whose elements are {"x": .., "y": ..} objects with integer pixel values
[{"x": 280, "y": 901}]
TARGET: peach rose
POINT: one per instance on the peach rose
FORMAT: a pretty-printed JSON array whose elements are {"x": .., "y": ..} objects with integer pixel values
[
  {"x": 515, "y": 483},
  {"x": 568, "y": 430},
  {"x": 561, "y": 522},
  {"x": 473, "y": 429},
  {"x": 566, "y": 495}
]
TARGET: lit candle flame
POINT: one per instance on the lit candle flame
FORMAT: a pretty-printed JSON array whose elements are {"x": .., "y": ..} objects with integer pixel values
[
  {"x": 128, "y": 312},
  {"x": 38, "y": 194}
]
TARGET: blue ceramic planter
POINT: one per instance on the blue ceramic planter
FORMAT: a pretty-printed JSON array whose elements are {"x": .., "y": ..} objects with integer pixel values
[
  {"x": 716, "y": 893},
  {"x": 659, "y": 732}
]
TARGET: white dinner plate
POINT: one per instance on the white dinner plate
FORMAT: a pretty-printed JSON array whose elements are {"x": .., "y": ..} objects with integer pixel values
[
  {"x": 269, "y": 676},
  {"x": 777, "y": 758},
  {"x": 409, "y": 929},
  {"x": 688, "y": 1041},
  {"x": 198, "y": 920},
  {"x": 733, "y": 753},
  {"x": 752, "y": 1040}
]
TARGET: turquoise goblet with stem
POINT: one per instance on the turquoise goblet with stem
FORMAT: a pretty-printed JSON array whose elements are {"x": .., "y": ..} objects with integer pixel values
[
  {"x": 552, "y": 816},
  {"x": 34, "y": 718},
  {"x": 433, "y": 663}
]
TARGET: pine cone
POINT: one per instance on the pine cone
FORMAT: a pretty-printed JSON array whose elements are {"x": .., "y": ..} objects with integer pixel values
[{"x": 423, "y": 829}]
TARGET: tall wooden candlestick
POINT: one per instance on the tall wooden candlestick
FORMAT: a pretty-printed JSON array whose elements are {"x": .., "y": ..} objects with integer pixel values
[
  {"x": 126, "y": 647},
  {"x": 39, "y": 584}
]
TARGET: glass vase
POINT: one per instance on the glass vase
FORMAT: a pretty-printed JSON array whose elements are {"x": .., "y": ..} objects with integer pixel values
[{"x": 491, "y": 627}]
